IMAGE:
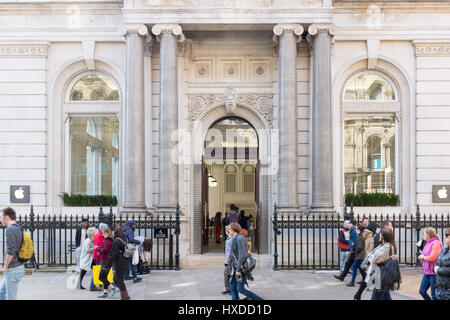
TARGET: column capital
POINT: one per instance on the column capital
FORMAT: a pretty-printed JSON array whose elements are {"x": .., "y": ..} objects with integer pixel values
[
  {"x": 140, "y": 29},
  {"x": 280, "y": 28},
  {"x": 315, "y": 28},
  {"x": 173, "y": 28}
]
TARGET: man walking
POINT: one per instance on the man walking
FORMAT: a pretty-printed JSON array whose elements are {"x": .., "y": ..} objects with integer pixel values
[
  {"x": 351, "y": 257},
  {"x": 129, "y": 234},
  {"x": 80, "y": 236},
  {"x": 13, "y": 269},
  {"x": 233, "y": 215}
]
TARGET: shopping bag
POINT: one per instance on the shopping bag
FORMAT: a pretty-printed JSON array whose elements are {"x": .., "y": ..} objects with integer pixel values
[{"x": 96, "y": 274}]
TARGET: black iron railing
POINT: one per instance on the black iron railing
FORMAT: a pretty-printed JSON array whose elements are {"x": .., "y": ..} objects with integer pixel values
[
  {"x": 310, "y": 242},
  {"x": 54, "y": 237}
]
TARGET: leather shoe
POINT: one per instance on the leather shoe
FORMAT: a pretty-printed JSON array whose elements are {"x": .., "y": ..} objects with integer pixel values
[
  {"x": 226, "y": 291},
  {"x": 339, "y": 277},
  {"x": 95, "y": 289},
  {"x": 128, "y": 278},
  {"x": 137, "y": 280},
  {"x": 350, "y": 284}
]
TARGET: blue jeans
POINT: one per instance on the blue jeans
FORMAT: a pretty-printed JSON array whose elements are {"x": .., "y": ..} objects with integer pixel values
[
  {"x": 342, "y": 264},
  {"x": 383, "y": 294},
  {"x": 131, "y": 268},
  {"x": 428, "y": 281},
  {"x": 238, "y": 287},
  {"x": 355, "y": 266},
  {"x": 10, "y": 283}
]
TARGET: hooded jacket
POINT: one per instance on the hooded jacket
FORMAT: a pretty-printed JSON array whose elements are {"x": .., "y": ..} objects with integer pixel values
[
  {"x": 129, "y": 233},
  {"x": 443, "y": 274}
]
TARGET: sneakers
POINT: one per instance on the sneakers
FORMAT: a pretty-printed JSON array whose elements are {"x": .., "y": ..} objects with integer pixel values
[
  {"x": 113, "y": 292},
  {"x": 103, "y": 295},
  {"x": 137, "y": 280}
]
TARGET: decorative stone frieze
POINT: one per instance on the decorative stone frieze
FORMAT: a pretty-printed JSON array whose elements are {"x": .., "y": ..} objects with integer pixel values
[
  {"x": 432, "y": 49},
  {"x": 200, "y": 104},
  {"x": 23, "y": 51}
]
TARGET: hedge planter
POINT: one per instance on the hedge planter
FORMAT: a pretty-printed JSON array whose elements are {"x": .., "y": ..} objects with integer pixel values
[
  {"x": 82, "y": 200},
  {"x": 372, "y": 199}
]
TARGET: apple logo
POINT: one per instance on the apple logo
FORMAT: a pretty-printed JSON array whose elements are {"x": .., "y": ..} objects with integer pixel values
[
  {"x": 442, "y": 193},
  {"x": 19, "y": 193}
]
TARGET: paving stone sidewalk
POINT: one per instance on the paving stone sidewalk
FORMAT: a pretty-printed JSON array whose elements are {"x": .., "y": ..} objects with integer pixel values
[{"x": 206, "y": 284}]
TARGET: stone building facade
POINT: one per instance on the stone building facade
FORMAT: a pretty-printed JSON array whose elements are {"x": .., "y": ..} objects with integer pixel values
[{"x": 160, "y": 74}]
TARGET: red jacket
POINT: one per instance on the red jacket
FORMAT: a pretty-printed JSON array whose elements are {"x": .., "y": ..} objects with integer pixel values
[
  {"x": 98, "y": 240},
  {"x": 104, "y": 250},
  {"x": 342, "y": 242}
]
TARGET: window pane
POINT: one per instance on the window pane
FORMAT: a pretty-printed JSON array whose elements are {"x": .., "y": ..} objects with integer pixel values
[
  {"x": 94, "y": 87},
  {"x": 369, "y": 87},
  {"x": 94, "y": 155},
  {"x": 369, "y": 155}
]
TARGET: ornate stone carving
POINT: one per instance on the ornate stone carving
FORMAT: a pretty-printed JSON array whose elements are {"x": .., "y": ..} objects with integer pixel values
[
  {"x": 200, "y": 104},
  {"x": 315, "y": 28},
  {"x": 157, "y": 29},
  {"x": 141, "y": 29},
  {"x": 278, "y": 30},
  {"x": 23, "y": 51},
  {"x": 432, "y": 49}
]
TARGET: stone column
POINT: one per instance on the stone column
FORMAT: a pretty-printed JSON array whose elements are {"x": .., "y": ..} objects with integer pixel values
[
  {"x": 322, "y": 146},
  {"x": 168, "y": 35},
  {"x": 133, "y": 149},
  {"x": 288, "y": 36}
]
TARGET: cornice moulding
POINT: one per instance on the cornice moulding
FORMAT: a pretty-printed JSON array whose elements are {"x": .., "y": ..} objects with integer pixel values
[
  {"x": 16, "y": 50},
  {"x": 430, "y": 49}
]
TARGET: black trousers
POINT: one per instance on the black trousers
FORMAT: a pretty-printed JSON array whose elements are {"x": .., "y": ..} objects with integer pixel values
[
  {"x": 103, "y": 277},
  {"x": 119, "y": 279},
  {"x": 348, "y": 264}
]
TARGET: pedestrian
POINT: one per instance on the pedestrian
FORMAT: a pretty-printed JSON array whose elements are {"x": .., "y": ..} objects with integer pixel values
[
  {"x": 442, "y": 270},
  {"x": 98, "y": 240},
  {"x": 145, "y": 249},
  {"x": 103, "y": 254},
  {"x": 244, "y": 221},
  {"x": 429, "y": 257},
  {"x": 87, "y": 253},
  {"x": 228, "y": 268},
  {"x": 360, "y": 254},
  {"x": 233, "y": 215},
  {"x": 239, "y": 251},
  {"x": 369, "y": 236},
  {"x": 377, "y": 258},
  {"x": 383, "y": 224},
  {"x": 80, "y": 236},
  {"x": 118, "y": 261},
  {"x": 13, "y": 270},
  {"x": 343, "y": 243},
  {"x": 351, "y": 257},
  {"x": 217, "y": 225},
  {"x": 129, "y": 234},
  {"x": 365, "y": 222}
]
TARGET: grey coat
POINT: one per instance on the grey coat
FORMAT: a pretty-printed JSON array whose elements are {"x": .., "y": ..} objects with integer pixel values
[{"x": 239, "y": 251}]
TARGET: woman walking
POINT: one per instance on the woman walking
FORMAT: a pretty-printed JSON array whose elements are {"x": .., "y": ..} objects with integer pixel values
[
  {"x": 378, "y": 257},
  {"x": 103, "y": 253},
  {"x": 86, "y": 257},
  {"x": 217, "y": 225},
  {"x": 227, "y": 271},
  {"x": 239, "y": 252},
  {"x": 118, "y": 261},
  {"x": 442, "y": 270},
  {"x": 429, "y": 257}
]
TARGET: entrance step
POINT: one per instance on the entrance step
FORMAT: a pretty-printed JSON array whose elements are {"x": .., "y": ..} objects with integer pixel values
[{"x": 216, "y": 260}]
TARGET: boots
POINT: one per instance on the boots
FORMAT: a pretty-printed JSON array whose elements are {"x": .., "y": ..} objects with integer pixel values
[
  {"x": 339, "y": 277},
  {"x": 124, "y": 295}
]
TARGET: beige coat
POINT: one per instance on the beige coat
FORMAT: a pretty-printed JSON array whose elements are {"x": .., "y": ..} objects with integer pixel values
[
  {"x": 377, "y": 257},
  {"x": 369, "y": 238}
]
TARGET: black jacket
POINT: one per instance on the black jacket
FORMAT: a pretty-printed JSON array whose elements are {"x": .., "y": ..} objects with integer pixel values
[
  {"x": 360, "y": 247},
  {"x": 116, "y": 257},
  {"x": 239, "y": 250},
  {"x": 443, "y": 274},
  {"x": 78, "y": 237}
]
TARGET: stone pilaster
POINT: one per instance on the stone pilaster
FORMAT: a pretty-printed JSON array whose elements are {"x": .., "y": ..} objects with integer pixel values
[
  {"x": 322, "y": 147},
  {"x": 169, "y": 35},
  {"x": 133, "y": 186},
  {"x": 288, "y": 36}
]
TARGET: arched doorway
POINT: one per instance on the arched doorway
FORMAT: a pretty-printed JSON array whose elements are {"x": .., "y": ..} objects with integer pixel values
[{"x": 230, "y": 175}]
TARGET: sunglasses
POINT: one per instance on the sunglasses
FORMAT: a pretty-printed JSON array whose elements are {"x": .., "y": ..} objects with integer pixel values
[{"x": 447, "y": 234}]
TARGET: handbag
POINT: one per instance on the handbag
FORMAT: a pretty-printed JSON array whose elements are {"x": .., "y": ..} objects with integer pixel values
[
  {"x": 96, "y": 274},
  {"x": 390, "y": 273},
  {"x": 249, "y": 265},
  {"x": 365, "y": 264}
]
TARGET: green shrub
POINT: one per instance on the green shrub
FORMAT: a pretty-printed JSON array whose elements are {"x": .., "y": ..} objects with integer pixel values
[
  {"x": 372, "y": 199},
  {"x": 82, "y": 200}
]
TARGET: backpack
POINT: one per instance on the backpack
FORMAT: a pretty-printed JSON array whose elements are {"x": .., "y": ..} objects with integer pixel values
[
  {"x": 390, "y": 273},
  {"x": 129, "y": 250},
  {"x": 234, "y": 217},
  {"x": 26, "y": 250}
]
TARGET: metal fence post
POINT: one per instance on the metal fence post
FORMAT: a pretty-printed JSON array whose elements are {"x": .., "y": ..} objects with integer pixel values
[
  {"x": 275, "y": 230},
  {"x": 32, "y": 263},
  {"x": 110, "y": 217},
  {"x": 101, "y": 215},
  {"x": 177, "y": 237},
  {"x": 417, "y": 222}
]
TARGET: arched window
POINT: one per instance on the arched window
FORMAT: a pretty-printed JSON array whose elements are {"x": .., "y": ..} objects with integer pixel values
[
  {"x": 369, "y": 87},
  {"x": 94, "y": 87},
  {"x": 93, "y": 152}
]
